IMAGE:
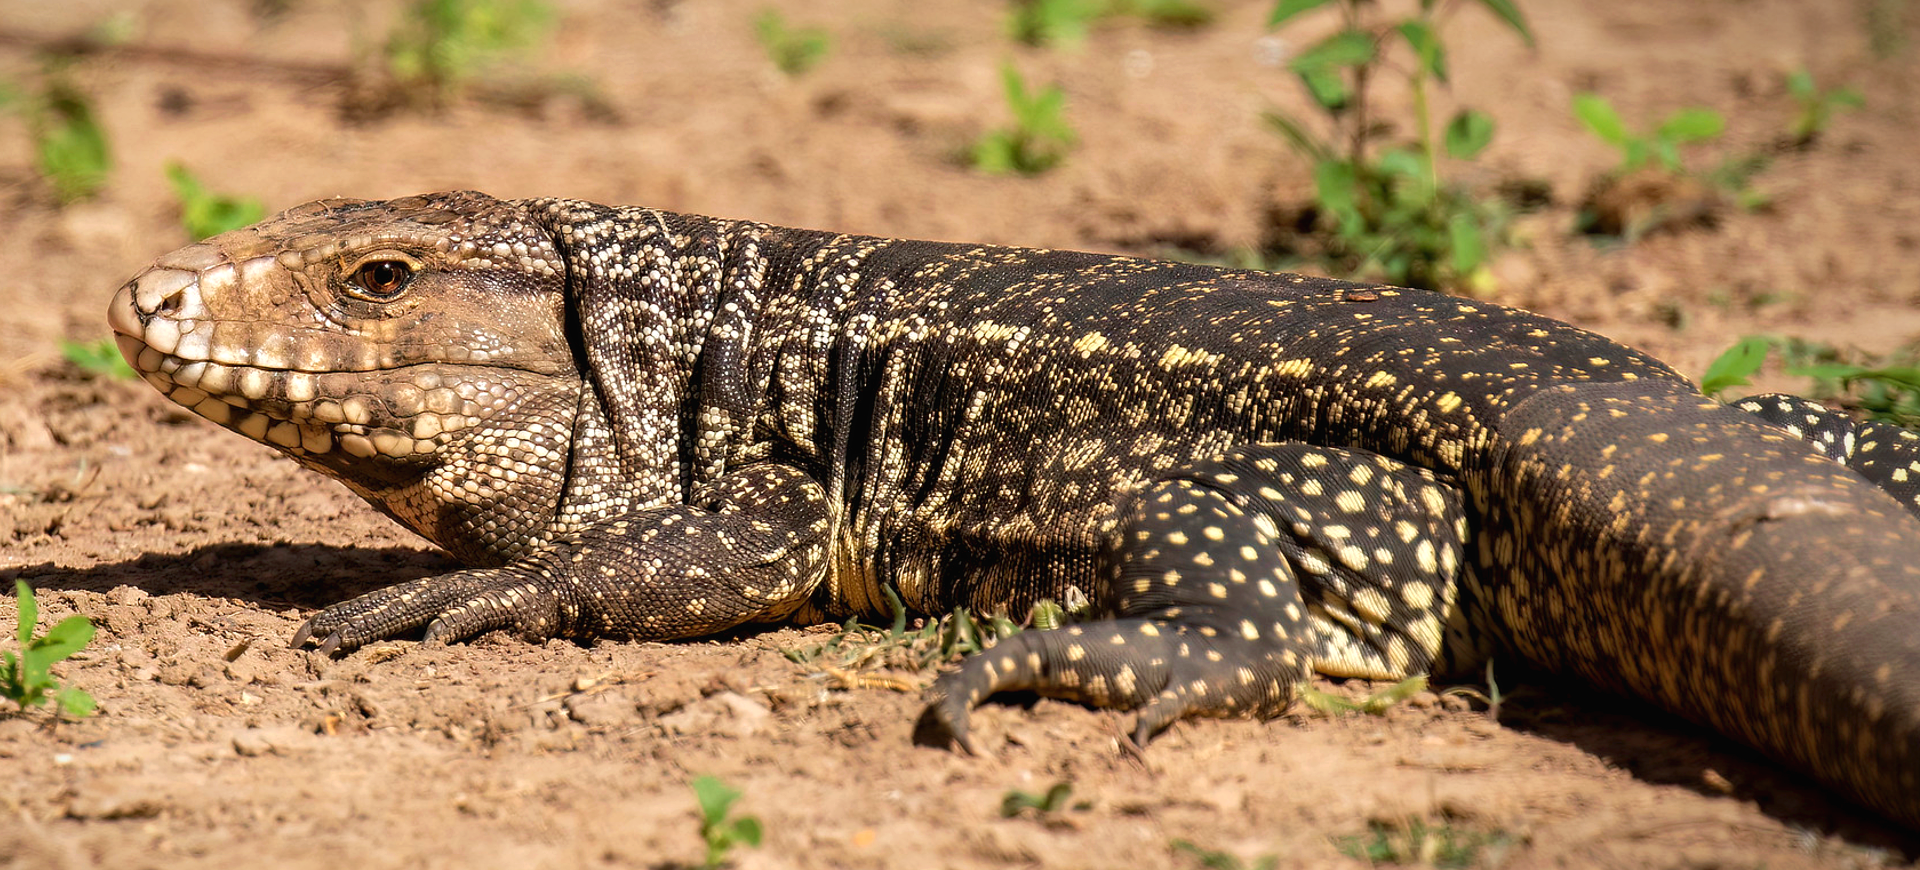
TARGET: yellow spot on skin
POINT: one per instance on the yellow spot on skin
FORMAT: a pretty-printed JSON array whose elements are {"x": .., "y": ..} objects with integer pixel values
[
  {"x": 1267, "y": 588},
  {"x": 1150, "y": 630},
  {"x": 1076, "y": 652},
  {"x": 1214, "y": 533},
  {"x": 1658, "y": 437},
  {"x": 1176, "y": 537},
  {"x": 1293, "y": 368},
  {"x": 1248, "y": 631},
  {"x": 1381, "y": 379},
  {"x": 1447, "y": 402},
  {"x": 1092, "y": 342},
  {"x": 1371, "y": 605},
  {"x": 1428, "y": 561},
  {"x": 1217, "y": 590}
]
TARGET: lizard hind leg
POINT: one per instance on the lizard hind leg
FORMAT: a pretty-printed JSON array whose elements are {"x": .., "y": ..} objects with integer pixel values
[{"x": 1231, "y": 580}]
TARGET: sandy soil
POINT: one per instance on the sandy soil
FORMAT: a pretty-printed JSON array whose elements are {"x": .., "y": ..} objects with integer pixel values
[{"x": 197, "y": 553}]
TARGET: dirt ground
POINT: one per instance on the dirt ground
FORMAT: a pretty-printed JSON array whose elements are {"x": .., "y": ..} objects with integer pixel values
[{"x": 197, "y": 553}]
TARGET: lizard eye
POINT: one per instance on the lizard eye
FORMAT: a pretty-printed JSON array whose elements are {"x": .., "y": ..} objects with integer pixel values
[{"x": 381, "y": 280}]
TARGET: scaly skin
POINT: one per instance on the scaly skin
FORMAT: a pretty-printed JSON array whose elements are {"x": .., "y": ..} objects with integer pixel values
[{"x": 638, "y": 424}]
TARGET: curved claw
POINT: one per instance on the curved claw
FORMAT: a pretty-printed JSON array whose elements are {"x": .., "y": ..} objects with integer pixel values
[{"x": 448, "y": 607}]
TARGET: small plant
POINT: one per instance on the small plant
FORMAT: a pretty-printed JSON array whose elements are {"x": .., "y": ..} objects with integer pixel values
[
  {"x": 69, "y": 147},
  {"x": 1653, "y": 186},
  {"x": 859, "y": 647},
  {"x": 1054, "y": 800},
  {"x": 1376, "y": 704},
  {"x": 1417, "y": 842},
  {"x": 1661, "y": 145},
  {"x": 1385, "y": 211},
  {"x": 793, "y": 50},
  {"x": 1215, "y": 859},
  {"x": 1040, "y": 136},
  {"x": 442, "y": 44},
  {"x": 1880, "y": 388},
  {"x": 26, "y": 679},
  {"x": 1066, "y": 22},
  {"x": 206, "y": 214},
  {"x": 98, "y": 358},
  {"x": 1736, "y": 365},
  {"x": 1817, "y": 106},
  {"x": 1053, "y": 22},
  {"x": 720, "y": 831},
  {"x": 1492, "y": 697},
  {"x": 1166, "y": 13}
]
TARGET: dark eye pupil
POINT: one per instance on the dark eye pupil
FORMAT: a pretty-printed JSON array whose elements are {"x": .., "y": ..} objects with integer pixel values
[{"x": 383, "y": 278}]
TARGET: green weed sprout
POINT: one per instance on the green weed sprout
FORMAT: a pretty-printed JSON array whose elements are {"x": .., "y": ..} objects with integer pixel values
[
  {"x": 1376, "y": 704},
  {"x": 793, "y": 50},
  {"x": 1660, "y": 145},
  {"x": 1385, "y": 209},
  {"x": 1884, "y": 388},
  {"x": 1039, "y": 137},
  {"x": 206, "y": 214},
  {"x": 69, "y": 147},
  {"x": 441, "y": 44},
  {"x": 1817, "y": 106},
  {"x": 1215, "y": 859},
  {"x": 98, "y": 358},
  {"x": 1416, "y": 842},
  {"x": 1053, "y": 22},
  {"x": 1015, "y": 801},
  {"x": 26, "y": 679},
  {"x": 720, "y": 832}
]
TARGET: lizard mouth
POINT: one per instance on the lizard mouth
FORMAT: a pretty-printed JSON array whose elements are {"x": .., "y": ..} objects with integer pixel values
[
  {"x": 307, "y": 414},
  {"x": 278, "y": 408}
]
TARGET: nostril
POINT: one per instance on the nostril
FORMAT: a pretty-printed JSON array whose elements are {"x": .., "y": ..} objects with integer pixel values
[
  {"x": 171, "y": 303},
  {"x": 164, "y": 293}
]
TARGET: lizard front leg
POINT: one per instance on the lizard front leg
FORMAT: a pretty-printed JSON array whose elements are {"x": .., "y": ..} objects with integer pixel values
[{"x": 748, "y": 547}]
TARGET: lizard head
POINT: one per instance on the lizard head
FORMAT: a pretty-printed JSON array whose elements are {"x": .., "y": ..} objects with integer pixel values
[{"x": 377, "y": 342}]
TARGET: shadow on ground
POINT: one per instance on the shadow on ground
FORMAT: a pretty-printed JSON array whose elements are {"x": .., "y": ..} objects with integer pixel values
[{"x": 272, "y": 576}]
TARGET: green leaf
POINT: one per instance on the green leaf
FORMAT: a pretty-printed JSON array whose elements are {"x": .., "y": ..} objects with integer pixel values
[
  {"x": 1334, "y": 182},
  {"x": 1598, "y": 115},
  {"x": 715, "y": 797},
  {"x": 1403, "y": 163},
  {"x": 1468, "y": 134},
  {"x": 1691, "y": 125},
  {"x": 100, "y": 358},
  {"x": 1510, "y": 13},
  {"x": 1297, "y": 135},
  {"x": 1735, "y": 366},
  {"x": 1385, "y": 699},
  {"x": 1800, "y": 84},
  {"x": 64, "y": 639},
  {"x": 1327, "y": 89},
  {"x": 28, "y": 612},
  {"x": 1344, "y": 49},
  {"x": 1286, "y": 9},
  {"x": 1845, "y": 96},
  {"x": 1469, "y": 250},
  {"x": 747, "y": 830},
  {"x": 1426, "y": 46},
  {"x": 75, "y": 703}
]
